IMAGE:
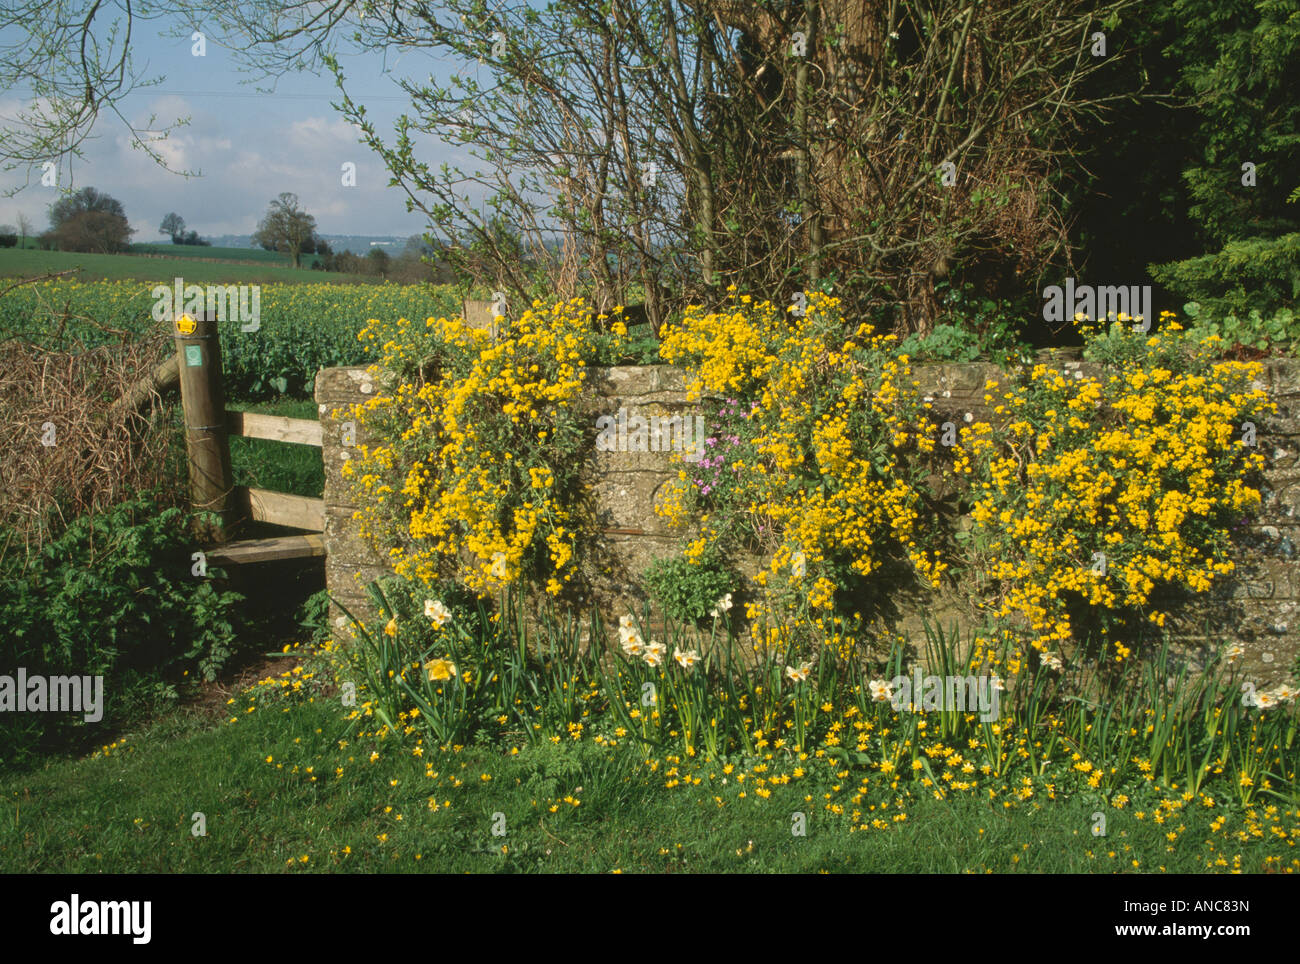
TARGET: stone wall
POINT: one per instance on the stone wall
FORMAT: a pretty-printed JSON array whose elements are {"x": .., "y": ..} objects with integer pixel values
[{"x": 1259, "y": 606}]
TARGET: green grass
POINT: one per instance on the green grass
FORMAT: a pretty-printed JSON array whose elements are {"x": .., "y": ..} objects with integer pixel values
[
  {"x": 279, "y": 466},
  {"x": 132, "y": 810},
  {"x": 19, "y": 262}
]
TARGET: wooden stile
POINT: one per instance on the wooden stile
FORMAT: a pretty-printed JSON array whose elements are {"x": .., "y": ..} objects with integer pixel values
[{"x": 196, "y": 369}]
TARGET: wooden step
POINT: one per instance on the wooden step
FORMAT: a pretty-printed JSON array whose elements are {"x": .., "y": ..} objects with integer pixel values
[{"x": 267, "y": 550}]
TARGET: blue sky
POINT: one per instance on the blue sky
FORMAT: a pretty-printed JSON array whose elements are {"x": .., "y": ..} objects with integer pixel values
[{"x": 248, "y": 146}]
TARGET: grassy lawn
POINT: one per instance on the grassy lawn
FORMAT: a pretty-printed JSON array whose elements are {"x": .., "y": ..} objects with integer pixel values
[
  {"x": 279, "y": 466},
  {"x": 116, "y": 267},
  {"x": 283, "y": 783}
]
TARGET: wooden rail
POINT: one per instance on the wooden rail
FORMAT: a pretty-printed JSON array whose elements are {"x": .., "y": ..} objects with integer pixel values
[
  {"x": 281, "y": 508},
  {"x": 277, "y": 428}
]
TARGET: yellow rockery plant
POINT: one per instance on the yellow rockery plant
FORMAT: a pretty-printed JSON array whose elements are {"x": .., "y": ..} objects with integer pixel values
[
  {"x": 474, "y": 474},
  {"x": 1100, "y": 500},
  {"x": 824, "y": 470}
]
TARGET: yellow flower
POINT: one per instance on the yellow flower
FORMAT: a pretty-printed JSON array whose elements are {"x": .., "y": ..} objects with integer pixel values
[{"x": 440, "y": 669}]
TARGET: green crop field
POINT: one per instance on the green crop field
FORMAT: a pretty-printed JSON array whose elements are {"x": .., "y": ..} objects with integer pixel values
[
  {"x": 28, "y": 262},
  {"x": 302, "y": 327},
  {"x": 232, "y": 255}
]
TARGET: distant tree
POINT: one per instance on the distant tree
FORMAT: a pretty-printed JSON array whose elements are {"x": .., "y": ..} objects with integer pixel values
[
  {"x": 24, "y": 227},
  {"x": 346, "y": 262},
  {"x": 286, "y": 227},
  {"x": 88, "y": 199},
  {"x": 89, "y": 220},
  {"x": 93, "y": 231},
  {"x": 173, "y": 225},
  {"x": 316, "y": 245},
  {"x": 378, "y": 262},
  {"x": 417, "y": 247}
]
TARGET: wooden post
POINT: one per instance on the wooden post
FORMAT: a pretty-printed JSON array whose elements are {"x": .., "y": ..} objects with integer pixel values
[{"x": 203, "y": 398}]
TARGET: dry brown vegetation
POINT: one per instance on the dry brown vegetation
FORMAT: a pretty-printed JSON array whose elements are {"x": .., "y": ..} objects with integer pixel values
[{"x": 101, "y": 454}]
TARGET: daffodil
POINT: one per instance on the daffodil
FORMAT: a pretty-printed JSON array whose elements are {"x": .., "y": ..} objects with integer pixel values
[
  {"x": 440, "y": 669},
  {"x": 687, "y": 658},
  {"x": 629, "y": 637},
  {"x": 435, "y": 610}
]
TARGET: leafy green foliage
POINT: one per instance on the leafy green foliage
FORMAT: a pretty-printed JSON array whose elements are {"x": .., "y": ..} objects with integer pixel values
[
  {"x": 639, "y": 348},
  {"x": 112, "y": 596},
  {"x": 308, "y": 327},
  {"x": 945, "y": 343},
  {"x": 1217, "y": 84},
  {"x": 1240, "y": 66},
  {"x": 1256, "y": 274},
  {"x": 313, "y": 616},
  {"x": 689, "y": 591},
  {"x": 971, "y": 328},
  {"x": 1253, "y": 331}
]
